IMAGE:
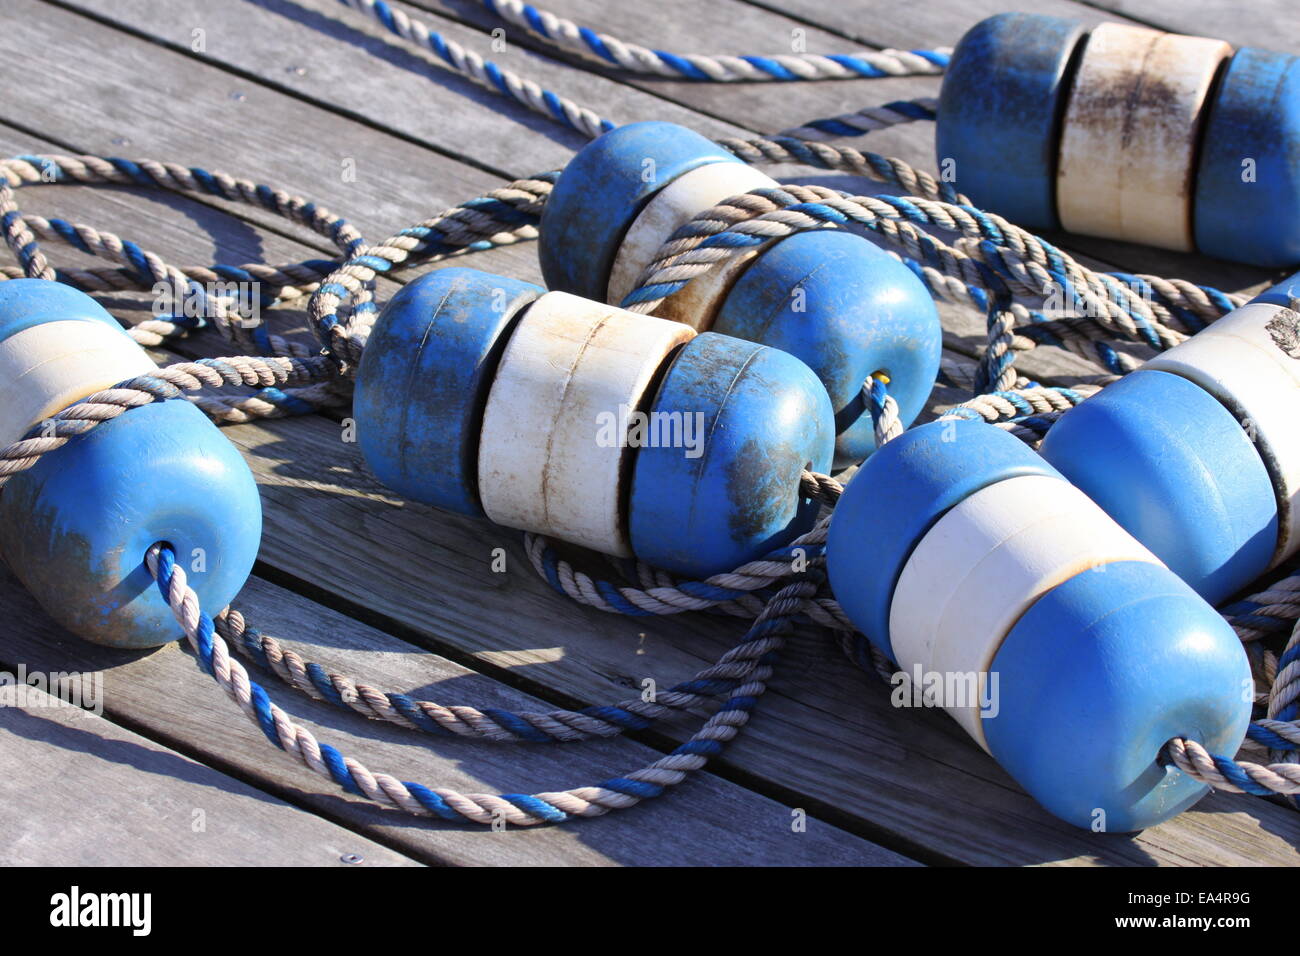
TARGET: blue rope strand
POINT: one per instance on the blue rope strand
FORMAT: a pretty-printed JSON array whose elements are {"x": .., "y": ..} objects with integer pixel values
[
  {"x": 688, "y": 70},
  {"x": 336, "y": 765}
]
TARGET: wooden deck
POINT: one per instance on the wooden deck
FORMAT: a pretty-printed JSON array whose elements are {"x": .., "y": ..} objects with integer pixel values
[{"x": 285, "y": 92}]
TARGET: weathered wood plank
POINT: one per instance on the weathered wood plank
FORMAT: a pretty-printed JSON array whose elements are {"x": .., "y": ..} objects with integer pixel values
[
  {"x": 79, "y": 790},
  {"x": 360, "y": 70},
  {"x": 163, "y": 694},
  {"x": 1171, "y": 851},
  {"x": 911, "y": 26},
  {"x": 168, "y": 224},
  {"x": 943, "y": 767},
  {"x": 379, "y": 181},
  {"x": 768, "y": 107},
  {"x": 680, "y": 29},
  {"x": 313, "y": 172},
  {"x": 193, "y": 232},
  {"x": 966, "y": 328},
  {"x": 722, "y": 26}
]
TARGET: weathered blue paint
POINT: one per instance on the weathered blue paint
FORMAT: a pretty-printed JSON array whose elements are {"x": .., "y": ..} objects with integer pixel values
[
  {"x": 846, "y": 308},
  {"x": 901, "y": 491},
  {"x": 602, "y": 190},
  {"x": 1283, "y": 294},
  {"x": 75, "y": 527},
  {"x": 1176, "y": 469},
  {"x": 28, "y": 302},
  {"x": 761, "y": 418},
  {"x": 424, "y": 380},
  {"x": 1000, "y": 110},
  {"x": 1253, "y": 127},
  {"x": 1097, "y": 676}
]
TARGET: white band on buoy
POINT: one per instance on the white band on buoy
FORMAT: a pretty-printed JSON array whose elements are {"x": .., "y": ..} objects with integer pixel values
[
  {"x": 1236, "y": 361},
  {"x": 981, "y": 566},
  {"x": 1128, "y": 142},
  {"x": 672, "y": 207},
  {"x": 553, "y": 456},
  {"x": 45, "y": 368}
]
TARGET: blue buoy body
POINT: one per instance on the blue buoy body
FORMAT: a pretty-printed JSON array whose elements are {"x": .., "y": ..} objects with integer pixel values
[
  {"x": 830, "y": 298},
  {"x": 25, "y": 303},
  {"x": 848, "y": 310},
  {"x": 999, "y": 116},
  {"x": 424, "y": 379},
  {"x": 1019, "y": 87},
  {"x": 1111, "y": 657},
  {"x": 1248, "y": 178},
  {"x": 897, "y": 495},
  {"x": 601, "y": 191},
  {"x": 1285, "y": 293},
  {"x": 1167, "y": 461},
  {"x": 1097, "y": 676},
  {"x": 760, "y": 418},
  {"x": 76, "y": 526},
  {"x": 710, "y": 475}
]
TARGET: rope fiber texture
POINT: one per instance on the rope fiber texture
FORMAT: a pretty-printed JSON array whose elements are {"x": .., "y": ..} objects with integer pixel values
[
  {"x": 751, "y": 661},
  {"x": 567, "y": 36},
  {"x": 140, "y": 269},
  {"x": 986, "y": 263}
]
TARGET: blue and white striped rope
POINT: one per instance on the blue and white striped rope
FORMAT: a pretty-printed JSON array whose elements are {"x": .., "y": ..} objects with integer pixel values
[
  {"x": 1010, "y": 260},
  {"x": 29, "y": 170},
  {"x": 568, "y": 36},
  {"x": 173, "y": 381},
  {"x": 782, "y": 67},
  {"x": 867, "y": 120},
  {"x": 884, "y": 169},
  {"x": 634, "y": 713},
  {"x": 753, "y": 659},
  {"x": 755, "y": 655},
  {"x": 139, "y": 268},
  {"x": 483, "y": 72},
  {"x": 1266, "y": 612}
]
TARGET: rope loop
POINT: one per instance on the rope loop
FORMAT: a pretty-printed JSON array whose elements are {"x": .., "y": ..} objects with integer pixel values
[{"x": 1030, "y": 292}]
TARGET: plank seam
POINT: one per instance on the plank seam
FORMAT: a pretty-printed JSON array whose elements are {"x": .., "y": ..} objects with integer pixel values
[
  {"x": 345, "y": 112},
  {"x": 284, "y": 794}
]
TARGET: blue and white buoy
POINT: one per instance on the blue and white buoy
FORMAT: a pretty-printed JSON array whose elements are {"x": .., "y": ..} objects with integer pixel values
[
  {"x": 75, "y": 527},
  {"x": 830, "y": 298},
  {"x": 1058, "y": 641},
  {"x": 1127, "y": 133},
  {"x": 1197, "y": 453},
  {"x": 628, "y": 434}
]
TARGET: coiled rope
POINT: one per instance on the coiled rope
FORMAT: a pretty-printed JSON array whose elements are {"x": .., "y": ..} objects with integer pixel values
[
  {"x": 741, "y": 673},
  {"x": 990, "y": 264},
  {"x": 750, "y": 662},
  {"x": 141, "y": 269}
]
